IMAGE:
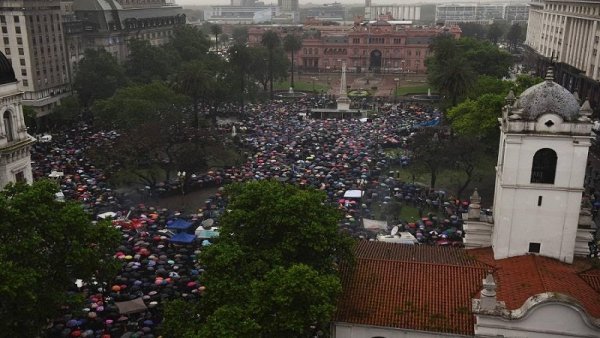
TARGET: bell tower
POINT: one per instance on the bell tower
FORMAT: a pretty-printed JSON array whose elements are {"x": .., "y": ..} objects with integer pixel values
[{"x": 544, "y": 141}]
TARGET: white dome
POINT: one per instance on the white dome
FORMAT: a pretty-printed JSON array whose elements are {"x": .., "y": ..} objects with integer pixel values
[{"x": 548, "y": 97}]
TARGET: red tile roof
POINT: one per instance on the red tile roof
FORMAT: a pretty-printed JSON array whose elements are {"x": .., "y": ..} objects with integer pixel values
[
  {"x": 519, "y": 278},
  {"x": 414, "y": 287},
  {"x": 430, "y": 288}
]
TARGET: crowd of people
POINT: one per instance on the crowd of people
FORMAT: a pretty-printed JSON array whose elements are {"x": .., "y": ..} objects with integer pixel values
[{"x": 331, "y": 155}]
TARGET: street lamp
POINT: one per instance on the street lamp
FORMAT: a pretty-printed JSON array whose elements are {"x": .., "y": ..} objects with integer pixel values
[
  {"x": 181, "y": 179},
  {"x": 314, "y": 78},
  {"x": 396, "y": 80},
  {"x": 328, "y": 70}
]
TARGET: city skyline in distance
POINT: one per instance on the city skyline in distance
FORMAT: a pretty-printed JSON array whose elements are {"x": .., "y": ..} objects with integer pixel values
[{"x": 345, "y": 2}]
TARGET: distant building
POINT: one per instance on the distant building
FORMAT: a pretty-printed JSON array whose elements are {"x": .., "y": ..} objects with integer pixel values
[
  {"x": 110, "y": 24},
  {"x": 335, "y": 12},
  {"x": 483, "y": 13},
  {"x": 408, "y": 12},
  {"x": 288, "y": 5},
  {"x": 379, "y": 46},
  {"x": 33, "y": 41},
  {"x": 241, "y": 14},
  {"x": 15, "y": 142},
  {"x": 568, "y": 32}
]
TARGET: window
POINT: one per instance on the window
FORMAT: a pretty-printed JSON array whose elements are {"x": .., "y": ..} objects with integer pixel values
[
  {"x": 5, "y": 39},
  {"x": 534, "y": 247},
  {"x": 539, "y": 201},
  {"x": 4, "y": 30},
  {"x": 22, "y": 62},
  {"x": 21, "y": 51},
  {"x": 8, "y": 128},
  {"x": 543, "y": 169},
  {"x": 20, "y": 176},
  {"x": 25, "y": 83},
  {"x": 16, "y": 18},
  {"x": 2, "y": 19},
  {"x": 18, "y": 30},
  {"x": 19, "y": 41},
  {"x": 6, "y": 51},
  {"x": 23, "y": 72}
]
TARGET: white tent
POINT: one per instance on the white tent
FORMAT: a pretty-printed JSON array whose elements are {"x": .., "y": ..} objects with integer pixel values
[{"x": 353, "y": 194}]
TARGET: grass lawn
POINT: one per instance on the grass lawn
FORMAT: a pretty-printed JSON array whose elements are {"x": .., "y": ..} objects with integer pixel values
[
  {"x": 451, "y": 179},
  {"x": 417, "y": 89},
  {"x": 303, "y": 86}
]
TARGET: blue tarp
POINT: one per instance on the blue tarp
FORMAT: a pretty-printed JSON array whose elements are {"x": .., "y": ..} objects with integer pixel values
[
  {"x": 183, "y": 237},
  {"x": 179, "y": 224},
  {"x": 430, "y": 123}
]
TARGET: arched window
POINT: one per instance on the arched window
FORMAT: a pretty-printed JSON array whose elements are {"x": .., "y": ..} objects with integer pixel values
[
  {"x": 543, "y": 169},
  {"x": 8, "y": 127}
]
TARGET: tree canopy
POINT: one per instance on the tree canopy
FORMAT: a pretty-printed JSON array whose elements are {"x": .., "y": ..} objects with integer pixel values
[
  {"x": 272, "y": 273},
  {"x": 147, "y": 63},
  {"x": 45, "y": 245},
  {"x": 98, "y": 76},
  {"x": 456, "y": 64}
]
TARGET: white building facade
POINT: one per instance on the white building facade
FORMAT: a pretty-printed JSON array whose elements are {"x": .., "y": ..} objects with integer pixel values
[
  {"x": 569, "y": 31},
  {"x": 544, "y": 142},
  {"x": 565, "y": 34},
  {"x": 15, "y": 142}
]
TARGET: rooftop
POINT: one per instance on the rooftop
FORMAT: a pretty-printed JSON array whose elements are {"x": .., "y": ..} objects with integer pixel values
[{"x": 430, "y": 288}]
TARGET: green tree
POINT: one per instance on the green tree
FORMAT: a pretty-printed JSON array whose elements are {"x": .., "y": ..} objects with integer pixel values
[
  {"x": 270, "y": 40},
  {"x": 98, "y": 76},
  {"x": 133, "y": 105},
  {"x": 490, "y": 85},
  {"x": 466, "y": 153},
  {"x": 486, "y": 58},
  {"x": 147, "y": 63},
  {"x": 258, "y": 65},
  {"x": 453, "y": 77},
  {"x": 473, "y": 30},
  {"x": 514, "y": 36},
  {"x": 30, "y": 117},
  {"x": 45, "y": 245},
  {"x": 495, "y": 32},
  {"x": 479, "y": 117},
  {"x": 67, "y": 113},
  {"x": 195, "y": 80},
  {"x": 240, "y": 35},
  {"x": 157, "y": 138},
  {"x": 216, "y": 30},
  {"x": 272, "y": 273},
  {"x": 189, "y": 42},
  {"x": 525, "y": 81},
  {"x": 430, "y": 152},
  {"x": 291, "y": 44},
  {"x": 239, "y": 56}
]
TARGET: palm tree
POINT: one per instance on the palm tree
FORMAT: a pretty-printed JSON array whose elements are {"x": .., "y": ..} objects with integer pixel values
[
  {"x": 453, "y": 76},
  {"x": 291, "y": 44},
  {"x": 239, "y": 57},
  {"x": 270, "y": 40},
  {"x": 216, "y": 30}
]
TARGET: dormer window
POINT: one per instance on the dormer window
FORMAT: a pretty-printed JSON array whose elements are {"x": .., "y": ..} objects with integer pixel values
[{"x": 543, "y": 169}]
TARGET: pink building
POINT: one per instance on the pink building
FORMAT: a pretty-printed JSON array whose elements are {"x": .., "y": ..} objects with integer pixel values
[{"x": 381, "y": 46}]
